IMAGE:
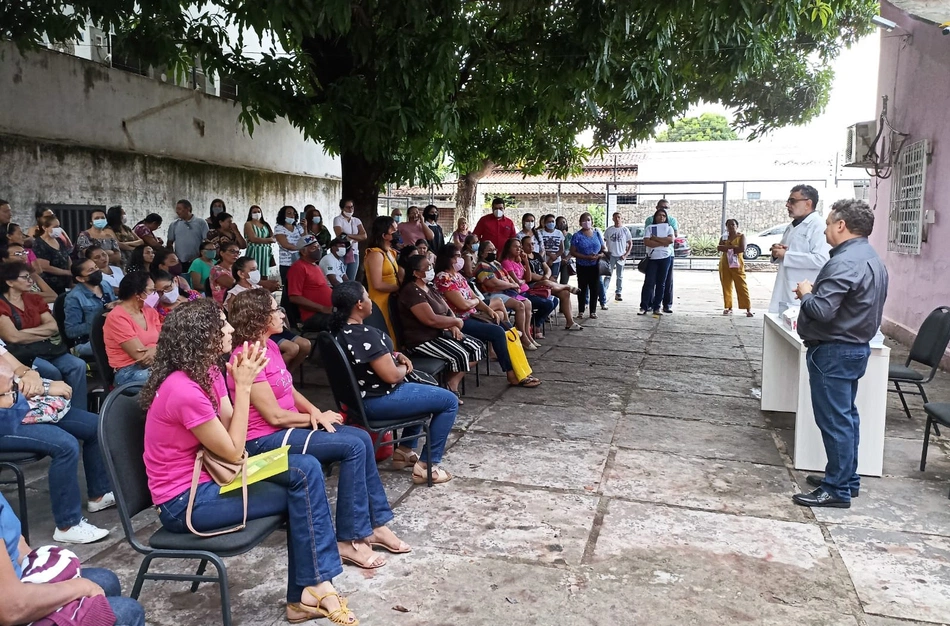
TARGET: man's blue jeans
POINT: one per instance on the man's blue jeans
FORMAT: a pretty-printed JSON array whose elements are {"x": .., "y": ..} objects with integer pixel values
[
  {"x": 128, "y": 612},
  {"x": 69, "y": 369},
  {"x": 60, "y": 442},
  {"x": 654, "y": 283},
  {"x": 616, "y": 267},
  {"x": 833, "y": 373},
  {"x": 312, "y": 555},
  {"x": 361, "y": 503},
  {"x": 410, "y": 399}
]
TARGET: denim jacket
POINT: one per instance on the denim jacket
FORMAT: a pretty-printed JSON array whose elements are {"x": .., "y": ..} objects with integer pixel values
[{"x": 81, "y": 308}]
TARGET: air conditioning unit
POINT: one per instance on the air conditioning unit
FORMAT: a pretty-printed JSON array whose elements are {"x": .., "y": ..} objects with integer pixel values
[{"x": 858, "y": 147}]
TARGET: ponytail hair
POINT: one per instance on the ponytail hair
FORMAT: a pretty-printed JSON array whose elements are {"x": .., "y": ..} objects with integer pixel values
[{"x": 345, "y": 296}]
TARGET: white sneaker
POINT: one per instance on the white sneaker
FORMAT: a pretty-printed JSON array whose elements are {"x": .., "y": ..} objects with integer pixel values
[
  {"x": 107, "y": 501},
  {"x": 83, "y": 532}
]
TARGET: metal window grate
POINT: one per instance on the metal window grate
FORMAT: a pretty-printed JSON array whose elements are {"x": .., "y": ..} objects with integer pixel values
[{"x": 906, "y": 220}]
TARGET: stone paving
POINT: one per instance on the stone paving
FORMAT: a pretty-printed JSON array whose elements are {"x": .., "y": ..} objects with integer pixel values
[{"x": 639, "y": 485}]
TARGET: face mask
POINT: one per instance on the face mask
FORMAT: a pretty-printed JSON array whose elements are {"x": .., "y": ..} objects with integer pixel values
[
  {"x": 100, "y": 224},
  {"x": 12, "y": 417},
  {"x": 549, "y": 226},
  {"x": 490, "y": 257},
  {"x": 499, "y": 212},
  {"x": 255, "y": 216},
  {"x": 459, "y": 264},
  {"x": 209, "y": 254},
  {"x": 430, "y": 275},
  {"x": 171, "y": 296},
  {"x": 397, "y": 218},
  {"x": 290, "y": 221},
  {"x": 339, "y": 252},
  {"x": 95, "y": 279},
  {"x": 475, "y": 246},
  {"x": 347, "y": 214},
  {"x": 57, "y": 232},
  {"x": 585, "y": 224},
  {"x": 528, "y": 225},
  {"x": 152, "y": 299},
  {"x": 316, "y": 219},
  {"x": 175, "y": 270},
  {"x": 254, "y": 277},
  {"x": 217, "y": 210},
  {"x": 315, "y": 254},
  {"x": 432, "y": 218}
]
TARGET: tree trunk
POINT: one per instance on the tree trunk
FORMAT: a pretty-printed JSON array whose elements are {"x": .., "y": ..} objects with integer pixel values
[
  {"x": 361, "y": 184},
  {"x": 465, "y": 194}
]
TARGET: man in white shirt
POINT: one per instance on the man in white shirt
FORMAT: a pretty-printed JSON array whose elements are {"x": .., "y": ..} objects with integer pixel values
[
  {"x": 332, "y": 262},
  {"x": 803, "y": 250},
  {"x": 619, "y": 242}
]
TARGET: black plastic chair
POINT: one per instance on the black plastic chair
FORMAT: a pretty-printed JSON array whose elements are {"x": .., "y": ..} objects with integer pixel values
[
  {"x": 122, "y": 437},
  {"x": 98, "y": 342},
  {"x": 98, "y": 387},
  {"x": 928, "y": 349},
  {"x": 346, "y": 394},
  {"x": 937, "y": 412},
  {"x": 12, "y": 461}
]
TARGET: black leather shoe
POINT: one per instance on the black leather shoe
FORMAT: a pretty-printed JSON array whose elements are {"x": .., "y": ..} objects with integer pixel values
[
  {"x": 667, "y": 310},
  {"x": 820, "y": 497},
  {"x": 815, "y": 481}
]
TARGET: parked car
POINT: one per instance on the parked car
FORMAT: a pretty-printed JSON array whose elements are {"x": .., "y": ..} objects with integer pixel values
[
  {"x": 638, "y": 251},
  {"x": 756, "y": 245}
]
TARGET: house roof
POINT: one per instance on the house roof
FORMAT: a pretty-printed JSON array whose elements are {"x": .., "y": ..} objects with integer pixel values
[{"x": 936, "y": 11}]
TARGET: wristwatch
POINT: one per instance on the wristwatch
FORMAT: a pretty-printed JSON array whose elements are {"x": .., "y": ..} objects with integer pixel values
[{"x": 46, "y": 384}]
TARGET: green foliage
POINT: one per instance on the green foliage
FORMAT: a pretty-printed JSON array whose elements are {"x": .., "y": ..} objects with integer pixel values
[
  {"x": 599, "y": 213},
  {"x": 706, "y": 127},
  {"x": 703, "y": 245}
]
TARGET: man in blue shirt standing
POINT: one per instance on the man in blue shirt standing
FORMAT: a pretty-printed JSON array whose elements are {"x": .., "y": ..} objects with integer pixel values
[
  {"x": 668, "y": 294},
  {"x": 840, "y": 314}
]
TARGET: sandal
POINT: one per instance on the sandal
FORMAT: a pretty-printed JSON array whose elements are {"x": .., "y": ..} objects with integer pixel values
[
  {"x": 342, "y": 615},
  {"x": 528, "y": 382},
  {"x": 749, "y": 314},
  {"x": 593, "y": 316},
  {"x": 402, "y": 549},
  {"x": 458, "y": 395},
  {"x": 439, "y": 475},
  {"x": 579, "y": 316},
  {"x": 375, "y": 563},
  {"x": 402, "y": 460},
  {"x": 727, "y": 311},
  {"x": 575, "y": 326},
  {"x": 575, "y": 291},
  {"x": 298, "y": 612}
]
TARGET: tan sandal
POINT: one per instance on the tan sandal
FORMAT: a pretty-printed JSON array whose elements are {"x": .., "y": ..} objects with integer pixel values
[
  {"x": 439, "y": 475},
  {"x": 402, "y": 460},
  {"x": 340, "y": 616},
  {"x": 373, "y": 561}
]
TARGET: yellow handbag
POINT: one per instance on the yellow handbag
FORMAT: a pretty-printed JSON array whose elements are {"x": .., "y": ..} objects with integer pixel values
[{"x": 519, "y": 362}]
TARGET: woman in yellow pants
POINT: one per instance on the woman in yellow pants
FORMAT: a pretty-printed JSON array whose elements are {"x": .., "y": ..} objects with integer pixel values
[{"x": 732, "y": 268}]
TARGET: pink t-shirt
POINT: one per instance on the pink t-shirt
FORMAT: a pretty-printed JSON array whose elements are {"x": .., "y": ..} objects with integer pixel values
[
  {"x": 170, "y": 446},
  {"x": 281, "y": 382}
]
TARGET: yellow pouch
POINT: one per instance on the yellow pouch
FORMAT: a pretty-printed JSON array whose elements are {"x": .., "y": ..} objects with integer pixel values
[
  {"x": 261, "y": 466},
  {"x": 519, "y": 361}
]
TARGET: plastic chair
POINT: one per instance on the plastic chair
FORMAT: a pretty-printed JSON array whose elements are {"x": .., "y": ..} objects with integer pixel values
[
  {"x": 936, "y": 412},
  {"x": 928, "y": 349},
  {"x": 13, "y": 461},
  {"x": 347, "y": 396},
  {"x": 122, "y": 437},
  {"x": 98, "y": 342}
]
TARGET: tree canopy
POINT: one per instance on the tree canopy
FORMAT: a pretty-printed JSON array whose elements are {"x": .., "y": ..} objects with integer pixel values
[
  {"x": 393, "y": 87},
  {"x": 706, "y": 127}
]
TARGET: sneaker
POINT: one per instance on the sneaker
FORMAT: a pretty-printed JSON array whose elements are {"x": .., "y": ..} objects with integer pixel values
[
  {"x": 667, "y": 309},
  {"x": 617, "y": 298},
  {"x": 656, "y": 313},
  {"x": 107, "y": 501},
  {"x": 642, "y": 312},
  {"x": 603, "y": 306},
  {"x": 83, "y": 532}
]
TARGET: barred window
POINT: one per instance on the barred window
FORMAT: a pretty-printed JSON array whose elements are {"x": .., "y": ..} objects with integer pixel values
[{"x": 906, "y": 217}]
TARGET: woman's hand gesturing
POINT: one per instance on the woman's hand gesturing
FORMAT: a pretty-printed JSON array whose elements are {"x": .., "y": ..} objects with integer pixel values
[{"x": 246, "y": 365}]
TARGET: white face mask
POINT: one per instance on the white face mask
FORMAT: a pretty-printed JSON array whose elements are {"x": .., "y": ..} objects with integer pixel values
[
  {"x": 254, "y": 277},
  {"x": 528, "y": 225},
  {"x": 339, "y": 252},
  {"x": 585, "y": 224},
  {"x": 171, "y": 296},
  {"x": 57, "y": 232},
  {"x": 255, "y": 216},
  {"x": 290, "y": 221},
  {"x": 347, "y": 214},
  {"x": 459, "y": 264},
  {"x": 430, "y": 275},
  {"x": 499, "y": 212}
]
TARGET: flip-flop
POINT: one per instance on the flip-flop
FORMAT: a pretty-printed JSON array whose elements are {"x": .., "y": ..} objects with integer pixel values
[{"x": 528, "y": 382}]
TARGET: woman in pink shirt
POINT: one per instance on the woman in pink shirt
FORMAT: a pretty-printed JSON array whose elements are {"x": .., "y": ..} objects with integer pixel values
[
  {"x": 281, "y": 415},
  {"x": 189, "y": 408}
]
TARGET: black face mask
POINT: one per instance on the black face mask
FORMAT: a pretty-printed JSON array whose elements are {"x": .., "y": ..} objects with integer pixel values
[
  {"x": 432, "y": 217},
  {"x": 175, "y": 270},
  {"x": 95, "y": 279},
  {"x": 490, "y": 257}
]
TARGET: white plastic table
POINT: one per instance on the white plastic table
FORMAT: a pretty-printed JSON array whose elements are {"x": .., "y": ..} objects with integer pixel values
[{"x": 785, "y": 388}]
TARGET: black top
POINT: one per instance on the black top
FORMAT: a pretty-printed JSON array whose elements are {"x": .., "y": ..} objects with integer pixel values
[
  {"x": 58, "y": 258},
  {"x": 363, "y": 345},
  {"x": 438, "y": 238}
]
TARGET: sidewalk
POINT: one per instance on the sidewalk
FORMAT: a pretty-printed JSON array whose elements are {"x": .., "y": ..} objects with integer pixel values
[{"x": 640, "y": 484}]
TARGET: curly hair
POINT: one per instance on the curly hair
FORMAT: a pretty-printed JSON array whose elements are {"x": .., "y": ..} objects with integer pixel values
[
  {"x": 190, "y": 342},
  {"x": 250, "y": 314}
]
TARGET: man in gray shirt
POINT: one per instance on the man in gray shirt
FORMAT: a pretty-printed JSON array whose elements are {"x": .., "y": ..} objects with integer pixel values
[
  {"x": 839, "y": 315},
  {"x": 186, "y": 234}
]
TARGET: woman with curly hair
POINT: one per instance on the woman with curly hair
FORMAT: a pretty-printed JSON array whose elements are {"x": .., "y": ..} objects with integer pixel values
[
  {"x": 141, "y": 259},
  {"x": 189, "y": 408},
  {"x": 281, "y": 415}
]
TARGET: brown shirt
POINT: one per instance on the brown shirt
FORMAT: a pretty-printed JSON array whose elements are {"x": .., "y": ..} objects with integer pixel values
[{"x": 414, "y": 331}]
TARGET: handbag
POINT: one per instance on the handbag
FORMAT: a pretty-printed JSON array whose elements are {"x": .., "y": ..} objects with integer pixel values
[
  {"x": 222, "y": 472},
  {"x": 604, "y": 268},
  {"x": 541, "y": 291},
  {"x": 519, "y": 361},
  {"x": 422, "y": 378},
  {"x": 642, "y": 265},
  {"x": 46, "y": 409}
]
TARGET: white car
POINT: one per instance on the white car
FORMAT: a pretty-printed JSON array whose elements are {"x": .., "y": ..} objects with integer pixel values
[{"x": 756, "y": 245}]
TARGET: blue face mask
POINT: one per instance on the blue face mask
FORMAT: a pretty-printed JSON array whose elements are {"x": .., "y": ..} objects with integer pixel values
[
  {"x": 475, "y": 246},
  {"x": 316, "y": 219},
  {"x": 100, "y": 224},
  {"x": 12, "y": 417},
  {"x": 290, "y": 221}
]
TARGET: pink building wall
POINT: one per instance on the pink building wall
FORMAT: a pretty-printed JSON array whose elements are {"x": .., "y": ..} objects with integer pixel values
[{"x": 916, "y": 78}]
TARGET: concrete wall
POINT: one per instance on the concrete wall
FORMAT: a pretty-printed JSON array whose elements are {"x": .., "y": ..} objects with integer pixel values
[
  {"x": 914, "y": 77},
  {"x": 56, "y": 97}
]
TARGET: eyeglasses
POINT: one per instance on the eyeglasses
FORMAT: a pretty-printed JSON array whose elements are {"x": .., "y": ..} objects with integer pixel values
[
  {"x": 25, "y": 277},
  {"x": 795, "y": 200},
  {"x": 231, "y": 251},
  {"x": 13, "y": 393}
]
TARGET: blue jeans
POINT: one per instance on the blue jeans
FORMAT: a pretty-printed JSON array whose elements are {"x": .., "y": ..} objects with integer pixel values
[
  {"x": 312, "y": 555},
  {"x": 351, "y": 269},
  {"x": 71, "y": 370},
  {"x": 83, "y": 349},
  {"x": 128, "y": 612},
  {"x": 654, "y": 283},
  {"x": 361, "y": 503},
  {"x": 60, "y": 442},
  {"x": 541, "y": 308},
  {"x": 833, "y": 373},
  {"x": 492, "y": 334},
  {"x": 410, "y": 399},
  {"x": 616, "y": 266},
  {"x": 131, "y": 374}
]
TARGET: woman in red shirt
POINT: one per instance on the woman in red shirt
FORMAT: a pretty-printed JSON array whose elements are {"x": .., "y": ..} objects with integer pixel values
[{"x": 132, "y": 328}]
